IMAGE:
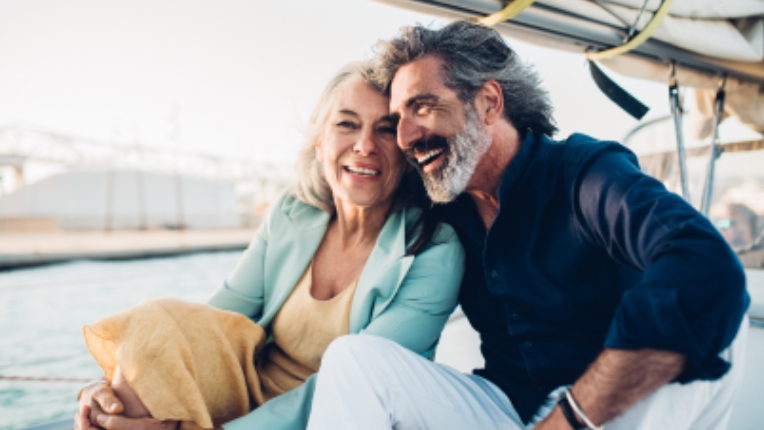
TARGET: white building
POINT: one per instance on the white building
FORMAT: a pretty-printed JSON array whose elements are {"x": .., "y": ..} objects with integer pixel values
[{"x": 123, "y": 199}]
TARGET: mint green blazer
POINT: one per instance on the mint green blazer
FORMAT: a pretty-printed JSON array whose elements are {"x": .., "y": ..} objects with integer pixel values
[{"x": 403, "y": 298}]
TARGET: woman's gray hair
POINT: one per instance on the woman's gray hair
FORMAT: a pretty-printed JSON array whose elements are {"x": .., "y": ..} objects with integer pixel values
[
  {"x": 312, "y": 187},
  {"x": 472, "y": 55}
]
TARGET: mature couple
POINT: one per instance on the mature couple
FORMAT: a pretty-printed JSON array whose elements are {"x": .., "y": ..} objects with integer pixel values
[{"x": 600, "y": 297}]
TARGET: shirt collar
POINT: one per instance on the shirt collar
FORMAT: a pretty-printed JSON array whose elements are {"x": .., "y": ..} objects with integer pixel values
[
  {"x": 517, "y": 165},
  {"x": 461, "y": 213}
]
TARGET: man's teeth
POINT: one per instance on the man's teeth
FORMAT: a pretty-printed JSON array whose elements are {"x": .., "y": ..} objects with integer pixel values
[
  {"x": 361, "y": 171},
  {"x": 429, "y": 155}
]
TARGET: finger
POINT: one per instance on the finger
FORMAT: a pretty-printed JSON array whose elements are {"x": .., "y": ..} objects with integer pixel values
[
  {"x": 81, "y": 420},
  {"x": 118, "y": 422},
  {"x": 104, "y": 396},
  {"x": 95, "y": 411}
]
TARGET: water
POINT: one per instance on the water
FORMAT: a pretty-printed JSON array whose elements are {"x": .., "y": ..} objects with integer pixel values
[{"x": 43, "y": 310}]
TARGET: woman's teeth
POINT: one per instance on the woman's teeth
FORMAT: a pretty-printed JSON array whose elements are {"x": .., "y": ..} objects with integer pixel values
[
  {"x": 424, "y": 158},
  {"x": 361, "y": 171}
]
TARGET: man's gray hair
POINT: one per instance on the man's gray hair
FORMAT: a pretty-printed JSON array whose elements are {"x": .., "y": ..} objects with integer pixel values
[
  {"x": 472, "y": 55},
  {"x": 312, "y": 187}
]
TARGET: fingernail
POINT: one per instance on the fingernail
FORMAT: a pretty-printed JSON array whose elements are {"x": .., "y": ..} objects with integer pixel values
[
  {"x": 113, "y": 407},
  {"x": 101, "y": 419}
]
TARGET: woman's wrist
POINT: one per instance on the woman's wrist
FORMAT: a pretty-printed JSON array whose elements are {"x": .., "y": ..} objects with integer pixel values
[{"x": 92, "y": 384}]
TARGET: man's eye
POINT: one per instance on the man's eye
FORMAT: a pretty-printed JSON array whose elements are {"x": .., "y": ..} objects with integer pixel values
[{"x": 422, "y": 109}]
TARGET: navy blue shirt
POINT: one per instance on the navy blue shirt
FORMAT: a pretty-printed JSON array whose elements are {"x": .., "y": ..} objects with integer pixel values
[{"x": 586, "y": 252}]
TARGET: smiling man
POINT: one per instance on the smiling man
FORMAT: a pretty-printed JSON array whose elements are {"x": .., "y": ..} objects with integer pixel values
[{"x": 599, "y": 296}]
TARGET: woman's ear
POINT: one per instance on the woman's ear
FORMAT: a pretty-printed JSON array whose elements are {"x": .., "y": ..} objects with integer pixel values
[{"x": 319, "y": 151}]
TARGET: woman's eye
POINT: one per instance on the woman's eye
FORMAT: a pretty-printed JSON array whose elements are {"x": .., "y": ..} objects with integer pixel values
[
  {"x": 347, "y": 124},
  {"x": 388, "y": 130}
]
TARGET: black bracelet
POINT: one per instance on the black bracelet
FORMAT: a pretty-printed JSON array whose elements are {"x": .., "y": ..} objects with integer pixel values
[{"x": 570, "y": 416}]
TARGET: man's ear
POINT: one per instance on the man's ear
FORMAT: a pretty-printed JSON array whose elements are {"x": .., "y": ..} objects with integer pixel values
[{"x": 490, "y": 102}]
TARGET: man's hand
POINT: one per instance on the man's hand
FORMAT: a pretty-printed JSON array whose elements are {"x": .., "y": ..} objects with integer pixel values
[
  {"x": 617, "y": 380},
  {"x": 555, "y": 421}
]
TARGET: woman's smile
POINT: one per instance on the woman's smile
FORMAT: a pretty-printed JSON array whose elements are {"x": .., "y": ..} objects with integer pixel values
[{"x": 363, "y": 171}]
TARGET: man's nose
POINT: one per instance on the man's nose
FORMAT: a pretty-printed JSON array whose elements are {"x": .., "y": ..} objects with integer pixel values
[
  {"x": 408, "y": 132},
  {"x": 365, "y": 145}
]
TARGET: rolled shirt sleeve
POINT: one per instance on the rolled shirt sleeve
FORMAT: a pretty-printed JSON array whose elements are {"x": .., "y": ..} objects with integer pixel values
[{"x": 692, "y": 295}]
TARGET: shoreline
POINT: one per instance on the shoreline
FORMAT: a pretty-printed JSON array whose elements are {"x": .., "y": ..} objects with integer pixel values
[{"x": 20, "y": 250}]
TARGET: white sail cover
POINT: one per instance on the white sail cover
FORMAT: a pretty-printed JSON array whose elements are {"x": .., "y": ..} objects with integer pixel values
[{"x": 724, "y": 29}]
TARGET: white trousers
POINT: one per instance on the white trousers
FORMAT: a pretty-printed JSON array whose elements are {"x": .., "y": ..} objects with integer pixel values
[{"x": 367, "y": 382}]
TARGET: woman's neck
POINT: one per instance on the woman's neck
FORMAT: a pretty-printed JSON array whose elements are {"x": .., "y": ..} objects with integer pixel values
[{"x": 359, "y": 226}]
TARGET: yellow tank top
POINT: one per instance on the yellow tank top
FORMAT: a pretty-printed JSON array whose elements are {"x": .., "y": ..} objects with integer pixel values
[{"x": 302, "y": 330}]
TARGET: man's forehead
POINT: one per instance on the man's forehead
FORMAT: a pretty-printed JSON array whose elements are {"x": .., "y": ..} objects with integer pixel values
[{"x": 424, "y": 75}]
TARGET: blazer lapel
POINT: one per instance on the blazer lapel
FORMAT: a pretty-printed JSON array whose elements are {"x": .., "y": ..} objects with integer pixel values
[
  {"x": 294, "y": 242},
  {"x": 383, "y": 273}
]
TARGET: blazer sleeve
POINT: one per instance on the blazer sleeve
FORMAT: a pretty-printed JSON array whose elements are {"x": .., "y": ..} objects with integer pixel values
[
  {"x": 414, "y": 319},
  {"x": 243, "y": 290}
]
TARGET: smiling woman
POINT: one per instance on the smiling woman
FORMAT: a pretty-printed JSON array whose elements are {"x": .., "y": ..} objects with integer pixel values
[{"x": 353, "y": 250}]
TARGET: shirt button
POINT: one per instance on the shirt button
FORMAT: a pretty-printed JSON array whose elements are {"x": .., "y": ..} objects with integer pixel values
[
  {"x": 528, "y": 345},
  {"x": 495, "y": 274}
]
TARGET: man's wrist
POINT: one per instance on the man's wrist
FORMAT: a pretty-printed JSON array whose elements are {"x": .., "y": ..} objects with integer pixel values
[
  {"x": 574, "y": 414},
  {"x": 568, "y": 413}
]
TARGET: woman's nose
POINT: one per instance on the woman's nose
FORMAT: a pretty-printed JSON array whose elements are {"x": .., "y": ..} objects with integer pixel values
[{"x": 365, "y": 145}]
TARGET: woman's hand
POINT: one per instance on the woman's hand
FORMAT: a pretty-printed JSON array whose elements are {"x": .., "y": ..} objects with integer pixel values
[
  {"x": 100, "y": 409},
  {"x": 96, "y": 400},
  {"x": 118, "y": 422}
]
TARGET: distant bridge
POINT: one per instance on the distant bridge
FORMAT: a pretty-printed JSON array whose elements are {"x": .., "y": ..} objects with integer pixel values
[{"x": 22, "y": 143}]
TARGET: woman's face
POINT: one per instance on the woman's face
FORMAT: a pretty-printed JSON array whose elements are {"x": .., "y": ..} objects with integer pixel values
[{"x": 358, "y": 149}]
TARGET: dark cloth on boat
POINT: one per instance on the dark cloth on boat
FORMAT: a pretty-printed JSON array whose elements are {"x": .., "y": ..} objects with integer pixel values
[{"x": 586, "y": 252}]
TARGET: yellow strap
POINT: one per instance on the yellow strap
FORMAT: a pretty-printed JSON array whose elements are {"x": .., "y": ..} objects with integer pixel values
[
  {"x": 638, "y": 39},
  {"x": 512, "y": 10}
]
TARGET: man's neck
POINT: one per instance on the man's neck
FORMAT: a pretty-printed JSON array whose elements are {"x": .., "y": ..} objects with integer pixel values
[{"x": 484, "y": 184}]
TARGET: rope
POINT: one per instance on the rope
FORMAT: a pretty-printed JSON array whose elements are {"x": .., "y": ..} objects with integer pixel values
[
  {"x": 637, "y": 40},
  {"x": 42, "y": 379},
  {"x": 510, "y": 11}
]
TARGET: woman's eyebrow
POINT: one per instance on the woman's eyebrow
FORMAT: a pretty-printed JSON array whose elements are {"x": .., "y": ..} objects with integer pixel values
[{"x": 348, "y": 112}]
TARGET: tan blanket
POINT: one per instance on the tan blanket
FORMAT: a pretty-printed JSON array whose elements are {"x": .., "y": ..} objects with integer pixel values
[{"x": 186, "y": 361}]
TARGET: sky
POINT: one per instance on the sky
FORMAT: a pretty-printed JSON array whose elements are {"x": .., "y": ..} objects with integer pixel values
[{"x": 230, "y": 78}]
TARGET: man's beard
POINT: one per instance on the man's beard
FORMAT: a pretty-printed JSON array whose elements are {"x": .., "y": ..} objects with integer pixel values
[{"x": 463, "y": 152}]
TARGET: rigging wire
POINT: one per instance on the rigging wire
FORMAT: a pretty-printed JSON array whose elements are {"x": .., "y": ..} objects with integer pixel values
[
  {"x": 715, "y": 150},
  {"x": 676, "y": 112}
]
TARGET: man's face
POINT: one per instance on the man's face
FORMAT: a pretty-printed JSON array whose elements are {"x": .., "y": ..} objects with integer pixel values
[{"x": 440, "y": 135}]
